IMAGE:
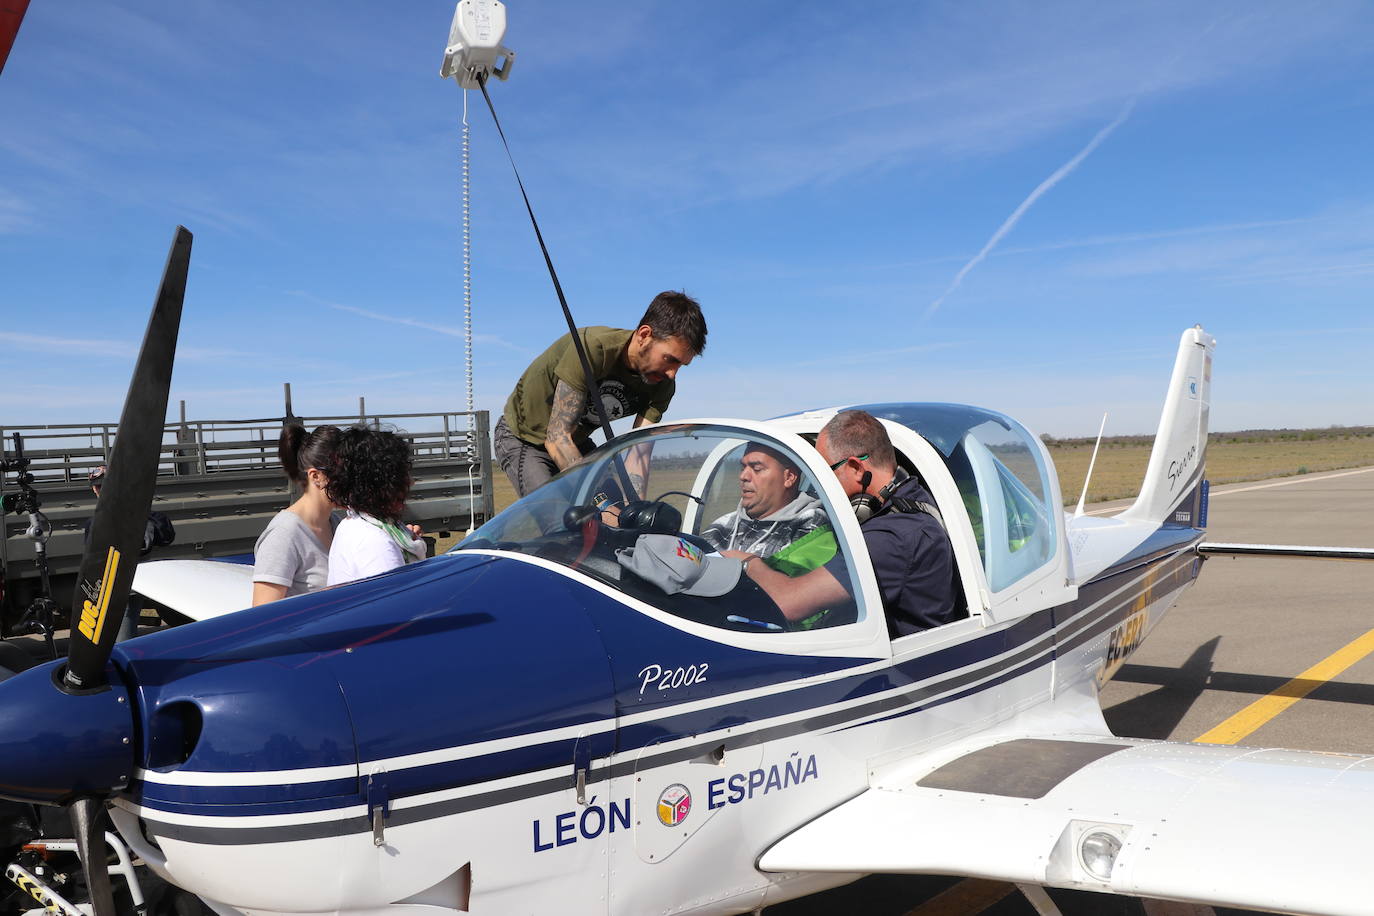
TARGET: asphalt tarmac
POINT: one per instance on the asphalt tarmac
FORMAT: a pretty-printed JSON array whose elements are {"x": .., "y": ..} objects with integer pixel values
[{"x": 1248, "y": 627}]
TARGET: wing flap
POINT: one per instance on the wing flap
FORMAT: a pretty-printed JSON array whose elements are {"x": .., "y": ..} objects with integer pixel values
[{"x": 1267, "y": 829}]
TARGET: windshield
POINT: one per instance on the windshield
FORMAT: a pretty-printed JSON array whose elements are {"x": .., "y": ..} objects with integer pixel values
[{"x": 694, "y": 491}]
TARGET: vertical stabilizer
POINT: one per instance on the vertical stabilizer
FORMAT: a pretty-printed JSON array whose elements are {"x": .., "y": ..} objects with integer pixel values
[{"x": 1173, "y": 481}]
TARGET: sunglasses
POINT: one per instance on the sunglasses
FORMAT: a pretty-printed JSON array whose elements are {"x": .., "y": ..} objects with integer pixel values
[{"x": 836, "y": 465}]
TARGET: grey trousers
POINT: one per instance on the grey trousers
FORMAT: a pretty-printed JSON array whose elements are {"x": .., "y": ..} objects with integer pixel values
[{"x": 529, "y": 467}]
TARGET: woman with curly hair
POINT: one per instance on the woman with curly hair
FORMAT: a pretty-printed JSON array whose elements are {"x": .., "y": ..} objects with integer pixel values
[
  {"x": 291, "y": 556},
  {"x": 370, "y": 477}
]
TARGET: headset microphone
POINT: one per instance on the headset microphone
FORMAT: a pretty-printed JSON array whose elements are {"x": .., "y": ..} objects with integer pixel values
[{"x": 865, "y": 504}]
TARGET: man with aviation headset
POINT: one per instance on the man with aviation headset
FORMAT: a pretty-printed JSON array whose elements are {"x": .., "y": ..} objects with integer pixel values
[{"x": 912, "y": 557}]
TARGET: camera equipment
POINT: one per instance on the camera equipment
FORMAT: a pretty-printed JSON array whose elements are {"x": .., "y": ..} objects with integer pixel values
[
  {"x": 39, "y": 616},
  {"x": 26, "y": 500}
]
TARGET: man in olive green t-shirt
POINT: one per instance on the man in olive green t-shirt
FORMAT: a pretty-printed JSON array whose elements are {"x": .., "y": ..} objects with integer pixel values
[{"x": 549, "y": 419}]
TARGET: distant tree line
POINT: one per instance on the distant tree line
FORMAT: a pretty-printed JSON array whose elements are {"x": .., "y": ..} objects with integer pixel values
[{"x": 1219, "y": 438}]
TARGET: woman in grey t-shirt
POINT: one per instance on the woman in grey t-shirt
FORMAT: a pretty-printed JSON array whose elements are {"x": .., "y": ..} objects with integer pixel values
[{"x": 291, "y": 556}]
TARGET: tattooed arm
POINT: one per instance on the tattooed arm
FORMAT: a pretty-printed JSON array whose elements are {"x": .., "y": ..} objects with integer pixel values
[
  {"x": 637, "y": 466},
  {"x": 637, "y": 462},
  {"x": 568, "y": 405}
]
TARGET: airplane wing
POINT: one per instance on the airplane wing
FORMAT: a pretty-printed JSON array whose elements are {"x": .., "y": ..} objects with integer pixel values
[
  {"x": 199, "y": 589},
  {"x": 1222, "y": 825}
]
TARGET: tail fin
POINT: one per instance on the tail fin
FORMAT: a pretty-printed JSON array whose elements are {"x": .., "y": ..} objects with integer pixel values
[{"x": 1173, "y": 488}]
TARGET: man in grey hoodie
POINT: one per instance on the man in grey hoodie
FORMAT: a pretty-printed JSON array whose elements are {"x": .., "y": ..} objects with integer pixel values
[{"x": 775, "y": 520}]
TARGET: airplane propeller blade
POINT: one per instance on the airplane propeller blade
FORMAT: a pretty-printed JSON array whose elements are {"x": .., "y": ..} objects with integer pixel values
[
  {"x": 107, "y": 567},
  {"x": 90, "y": 846}
]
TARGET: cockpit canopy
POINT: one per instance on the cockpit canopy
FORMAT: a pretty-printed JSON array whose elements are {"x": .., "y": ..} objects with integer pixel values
[
  {"x": 685, "y": 481},
  {"x": 692, "y": 481}
]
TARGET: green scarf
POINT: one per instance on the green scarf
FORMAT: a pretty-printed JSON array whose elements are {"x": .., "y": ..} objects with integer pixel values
[{"x": 412, "y": 549}]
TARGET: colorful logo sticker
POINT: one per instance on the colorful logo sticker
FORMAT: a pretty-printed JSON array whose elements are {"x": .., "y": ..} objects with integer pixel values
[
  {"x": 674, "y": 804},
  {"x": 689, "y": 550}
]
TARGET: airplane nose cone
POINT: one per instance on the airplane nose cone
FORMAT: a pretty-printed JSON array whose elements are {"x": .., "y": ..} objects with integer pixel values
[{"x": 54, "y": 745}]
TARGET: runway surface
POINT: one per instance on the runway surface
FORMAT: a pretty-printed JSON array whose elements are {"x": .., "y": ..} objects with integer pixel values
[{"x": 1246, "y": 629}]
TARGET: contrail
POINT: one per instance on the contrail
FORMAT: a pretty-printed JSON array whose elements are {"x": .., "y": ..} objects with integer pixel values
[{"x": 1010, "y": 223}]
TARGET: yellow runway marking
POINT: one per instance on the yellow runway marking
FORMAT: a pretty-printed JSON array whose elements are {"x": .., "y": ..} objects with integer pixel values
[
  {"x": 1262, "y": 710},
  {"x": 971, "y": 895}
]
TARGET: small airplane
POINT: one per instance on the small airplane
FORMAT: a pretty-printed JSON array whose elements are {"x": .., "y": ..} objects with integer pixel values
[{"x": 530, "y": 724}]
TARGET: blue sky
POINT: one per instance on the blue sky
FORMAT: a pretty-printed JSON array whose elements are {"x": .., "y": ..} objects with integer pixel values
[{"x": 817, "y": 175}]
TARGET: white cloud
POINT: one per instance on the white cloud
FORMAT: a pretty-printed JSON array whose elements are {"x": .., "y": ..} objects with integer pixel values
[
  {"x": 1041, "y": 189},
  {"x": 1331, "y": 244},
  {"x": 869, "y": 357},
  {"x": 405, "y": 321},
  {"x": 58, "y": 403},
  {"x": 448, "y": 330},
  {"x": 16, "y": 214},
  {"x": 67, "y": 346},
  {"x": 934, "y": 82},
  {"x": 1128, "y": 238}
]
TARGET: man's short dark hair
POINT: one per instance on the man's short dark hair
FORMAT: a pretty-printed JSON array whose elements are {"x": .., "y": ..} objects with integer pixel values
[
  {"x": 780, "y": 457},
  {"x": 853, "y": 433},
  {"x": 676, "y": 314}
]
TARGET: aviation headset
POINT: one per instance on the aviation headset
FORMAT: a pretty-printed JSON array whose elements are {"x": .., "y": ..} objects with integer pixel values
[{"x": 866, "y": 505}]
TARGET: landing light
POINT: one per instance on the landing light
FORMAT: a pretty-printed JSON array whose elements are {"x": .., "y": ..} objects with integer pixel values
[{"x": 1097, "y": 852}]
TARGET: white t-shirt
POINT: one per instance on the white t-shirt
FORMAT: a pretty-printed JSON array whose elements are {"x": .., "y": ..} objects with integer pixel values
[{"x": 361, "y": 549}]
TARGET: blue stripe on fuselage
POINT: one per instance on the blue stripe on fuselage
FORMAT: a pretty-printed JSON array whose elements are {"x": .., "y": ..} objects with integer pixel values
[{"x": 636, "y": 637}]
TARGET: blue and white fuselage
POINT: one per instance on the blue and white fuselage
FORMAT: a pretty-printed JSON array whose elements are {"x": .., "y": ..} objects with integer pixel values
[
  {"x": 468, "y": 722},
  {"x": 522, "y": 725}
]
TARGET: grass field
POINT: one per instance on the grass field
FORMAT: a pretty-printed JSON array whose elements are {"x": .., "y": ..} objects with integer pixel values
[{"x": 1231, "y": 457}]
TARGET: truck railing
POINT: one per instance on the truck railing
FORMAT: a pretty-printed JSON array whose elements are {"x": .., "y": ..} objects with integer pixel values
[{"x": 220, "y": 481}]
